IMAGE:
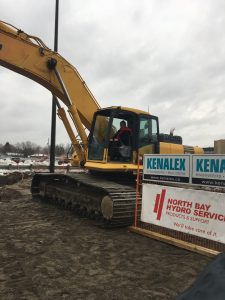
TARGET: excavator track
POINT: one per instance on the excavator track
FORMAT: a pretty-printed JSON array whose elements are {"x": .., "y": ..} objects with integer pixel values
[{"x": 110, "y": 202}]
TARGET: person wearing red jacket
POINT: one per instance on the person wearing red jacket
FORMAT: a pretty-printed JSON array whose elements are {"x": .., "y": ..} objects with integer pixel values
[{"x": 123, "y": 134}]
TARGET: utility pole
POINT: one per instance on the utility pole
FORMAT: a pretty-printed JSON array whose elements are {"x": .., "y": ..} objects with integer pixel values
[{"x": 53, "y": 124}]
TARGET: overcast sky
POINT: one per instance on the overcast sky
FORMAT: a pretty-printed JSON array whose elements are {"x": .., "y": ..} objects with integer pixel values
[{"x": 164, "y": 56}]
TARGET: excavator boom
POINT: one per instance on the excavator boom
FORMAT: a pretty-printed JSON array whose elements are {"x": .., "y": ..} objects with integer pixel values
[{"x": 28, "y": 56}]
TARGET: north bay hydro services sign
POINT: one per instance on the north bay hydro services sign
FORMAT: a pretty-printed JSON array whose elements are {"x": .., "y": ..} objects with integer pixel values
[
  {"x": 187, "y": 168},
  {"x": 195, "y": 212},
  {"x": 173, "y": 168}
]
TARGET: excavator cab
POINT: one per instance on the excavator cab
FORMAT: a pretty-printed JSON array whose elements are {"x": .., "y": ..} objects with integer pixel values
[{"x": 117, "y": 135}]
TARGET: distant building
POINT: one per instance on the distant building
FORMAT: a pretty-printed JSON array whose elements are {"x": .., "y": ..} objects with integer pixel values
[
  {"x": 14, "y": 154},
  {"x": 38, "y": 156},
  {"x": 209, "y": 150},
  {"x": 219, "y": 146}
]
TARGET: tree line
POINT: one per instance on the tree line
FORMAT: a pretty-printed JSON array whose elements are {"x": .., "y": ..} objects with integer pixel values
[{"x": 28, "y": 148}]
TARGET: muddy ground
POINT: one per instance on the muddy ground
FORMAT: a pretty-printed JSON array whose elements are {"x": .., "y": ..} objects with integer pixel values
[{"x": 47, "y": 253}]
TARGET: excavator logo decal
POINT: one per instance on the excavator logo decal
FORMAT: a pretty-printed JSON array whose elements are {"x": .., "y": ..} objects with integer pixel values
[{"x": 159, "y": 201}]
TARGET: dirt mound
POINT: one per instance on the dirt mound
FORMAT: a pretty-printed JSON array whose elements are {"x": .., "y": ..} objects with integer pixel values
[
  {"x": 12, "y": 178},
  {"x": 13, "y": 185}
]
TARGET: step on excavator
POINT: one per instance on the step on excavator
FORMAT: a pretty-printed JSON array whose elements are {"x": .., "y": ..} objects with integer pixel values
[{"x": 106, "y": 141}]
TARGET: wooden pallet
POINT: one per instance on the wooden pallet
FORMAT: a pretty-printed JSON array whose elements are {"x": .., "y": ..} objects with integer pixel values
[{"x": 174, "y": 241}]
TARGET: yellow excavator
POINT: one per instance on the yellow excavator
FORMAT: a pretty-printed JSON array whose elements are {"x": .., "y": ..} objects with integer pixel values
[{"x": 109, "y": 153}]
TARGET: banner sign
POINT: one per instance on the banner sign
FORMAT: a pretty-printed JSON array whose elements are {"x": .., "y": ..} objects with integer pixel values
[
  {"x": 208, "y": 170},
  {"x": 195, "y": 212},
  {"x": 193, "y": 169},
  {"x": 173, "y": 168}
]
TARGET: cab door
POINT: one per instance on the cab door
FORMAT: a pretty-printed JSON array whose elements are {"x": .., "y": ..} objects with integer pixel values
[
  {"x": 98, "y": 138},
  {"x": 148, "y": 135}
]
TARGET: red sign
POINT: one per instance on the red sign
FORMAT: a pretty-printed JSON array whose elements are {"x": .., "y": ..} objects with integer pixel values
[{"x": 195, "y": 212}]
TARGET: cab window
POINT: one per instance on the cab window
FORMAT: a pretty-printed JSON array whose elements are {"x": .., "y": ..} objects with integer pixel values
[{"x": 148, "y": 131}]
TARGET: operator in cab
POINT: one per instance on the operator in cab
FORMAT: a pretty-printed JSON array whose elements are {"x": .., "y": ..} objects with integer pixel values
[
  {"x": 123, "y": 134},
  {"x": 121, "y": 144}
]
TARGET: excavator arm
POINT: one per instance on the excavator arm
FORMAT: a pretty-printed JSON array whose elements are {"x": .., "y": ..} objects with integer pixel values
[{"x": 30, "y": 57}]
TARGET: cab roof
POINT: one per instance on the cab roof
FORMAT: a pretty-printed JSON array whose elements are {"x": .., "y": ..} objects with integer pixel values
[{"x": 134, "y": 110}]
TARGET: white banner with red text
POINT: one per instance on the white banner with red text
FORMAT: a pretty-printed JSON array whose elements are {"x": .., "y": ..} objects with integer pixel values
[{"x": 195, "y": 212}]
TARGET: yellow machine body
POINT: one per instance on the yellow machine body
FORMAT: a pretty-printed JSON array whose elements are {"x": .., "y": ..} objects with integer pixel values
[{"x": 30, "y": 57}]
